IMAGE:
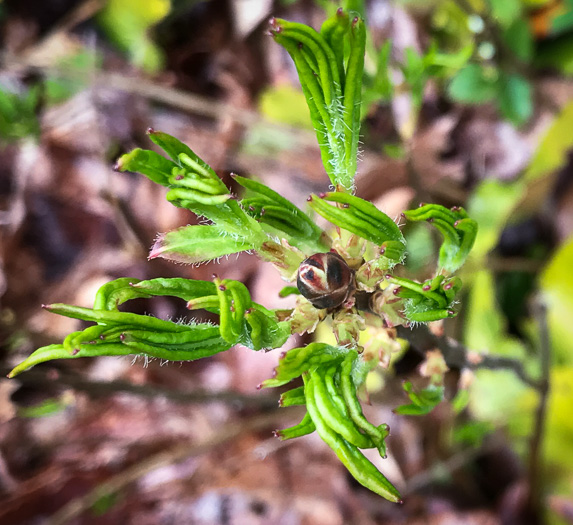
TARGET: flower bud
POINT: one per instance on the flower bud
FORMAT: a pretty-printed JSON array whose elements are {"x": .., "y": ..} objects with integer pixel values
[{"x": 325, "y": 280}]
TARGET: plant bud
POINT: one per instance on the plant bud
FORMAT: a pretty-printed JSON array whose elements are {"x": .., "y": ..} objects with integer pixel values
[{"x": 325, "y": 280}]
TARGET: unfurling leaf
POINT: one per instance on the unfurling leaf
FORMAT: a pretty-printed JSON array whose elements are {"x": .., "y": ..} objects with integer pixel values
[{"x": 458, "y": 230}]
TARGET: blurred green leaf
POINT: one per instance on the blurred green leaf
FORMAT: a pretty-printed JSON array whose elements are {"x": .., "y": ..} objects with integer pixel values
[
  {"x": 552, "y": 152},
  {"x": 18, "y": 118},
  {"x": 556, "y": 53},
  {"x": 473, "y": 85},
  {"x": 519, "y": 39},
  {"x": 127, "y": 23},
  {"x": 490, "y": 205},
  {"x": 556, "y": 285},
  {"x": 514, "y": 98},
  {"x": 285, "y": 104},
  {"x": 494, "y": 395},
  {"x": 485, "y": 328},
  {"x": 423, "y": 401},
  {"x": 564, "y": 21},
  {"x": 48, "y": 407},
  {"x": 472, "y": 433},
  {"x": 75, "y": 75},
  {"x": 505, "y": 12}
]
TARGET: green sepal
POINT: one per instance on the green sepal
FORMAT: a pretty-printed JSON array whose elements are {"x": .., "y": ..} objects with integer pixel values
[
  {"x": 274, "y": 210},
  {"x": 362, "y": 218},
  {"x": 423, "y": 401},
  {"x": 458, "y": 230}
]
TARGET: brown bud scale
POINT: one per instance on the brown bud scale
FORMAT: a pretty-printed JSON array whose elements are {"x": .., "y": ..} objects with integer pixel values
[{"x": 325, "y": 279}]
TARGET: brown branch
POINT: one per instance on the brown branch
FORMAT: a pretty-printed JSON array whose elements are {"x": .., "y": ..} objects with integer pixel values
[
  {"x": 534, "y": 506},
  {"x": 458, "y": 356},
  {"x": 46, "y": 378}
]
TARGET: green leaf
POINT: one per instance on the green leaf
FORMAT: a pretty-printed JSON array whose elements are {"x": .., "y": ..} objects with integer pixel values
[
  {"x": 554, "y": 148},
  {"x": 149, "y": 163},
  {"x": 556, "y": 53},
  {"x": 557, "y": 288},
  {"x": 197, "y": 243},
  {"x": 473, "y": 85},
  {"x": 423, "y": 401},
  {"x": 285, "y": 104},
  {"x": 273, "y": 210},
  {"x": 458, "y": 230},
  {"x": 297, "y": 361},
  {"x": 490, "y": 205},
  {"x": 505, "y": 12},
  {"x": 18, "y": 118},
  {"x": 127, "y": 23},
  {"x": 332, "y": 87},
  {"x": 360, "y": 217},
  {"x": 175, "y": 148},
  {"x": 514, "y": 98},
  {"x": 519, "y": 39},
  {"x": 48, "y": 407}
]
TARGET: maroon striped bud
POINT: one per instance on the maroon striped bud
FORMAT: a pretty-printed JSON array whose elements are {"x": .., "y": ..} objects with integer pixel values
[{"x": 325, "y": 280}]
